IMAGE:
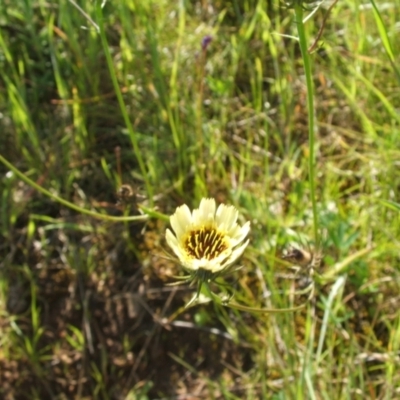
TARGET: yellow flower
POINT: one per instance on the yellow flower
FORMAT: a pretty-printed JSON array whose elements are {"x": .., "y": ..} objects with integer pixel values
[{"x": 208, "y": 240}]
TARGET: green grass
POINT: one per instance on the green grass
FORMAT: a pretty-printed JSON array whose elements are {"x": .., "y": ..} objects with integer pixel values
[{"x": 305, "y": 145}]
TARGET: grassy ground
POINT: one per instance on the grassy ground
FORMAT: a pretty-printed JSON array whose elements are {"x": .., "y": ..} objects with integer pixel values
[{"x": 96, "y": 98}]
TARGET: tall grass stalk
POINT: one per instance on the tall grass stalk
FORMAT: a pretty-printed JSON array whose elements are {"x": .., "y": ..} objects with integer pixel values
[
  {"x": 122, "y": 105},
  {"x": 306, "y": 373},
  {"x": 382, "y": 28},
  {"x": 311, "y": 115}
]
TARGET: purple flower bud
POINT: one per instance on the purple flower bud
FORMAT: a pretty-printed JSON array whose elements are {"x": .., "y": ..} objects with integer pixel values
[{"x": 205, "y": 42}]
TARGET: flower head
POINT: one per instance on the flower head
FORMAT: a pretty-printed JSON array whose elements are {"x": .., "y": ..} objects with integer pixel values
[
  {"x": 208, "y": 240},
  {"x": 206, "y": 41}
]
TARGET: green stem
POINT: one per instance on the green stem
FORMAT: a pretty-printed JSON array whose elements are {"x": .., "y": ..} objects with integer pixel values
[
  {"x": 240, "y": 307},
  {"x": 153, "y": 214},
  {"x": 305, "y": 373},
  {"x": 132, "y": 133},
  {"x": 310, "y": 106},
  {"x": 66, "y": 203}
]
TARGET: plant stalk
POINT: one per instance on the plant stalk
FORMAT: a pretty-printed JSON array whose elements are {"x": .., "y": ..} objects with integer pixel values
[{"x": 311, "y": 116}]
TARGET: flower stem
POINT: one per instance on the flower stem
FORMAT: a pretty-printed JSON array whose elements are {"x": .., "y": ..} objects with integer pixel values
[
  {"x": 236, "y": 306},
  {"x": 64, "y": 202},
  {"x": 311, "y": 113}
]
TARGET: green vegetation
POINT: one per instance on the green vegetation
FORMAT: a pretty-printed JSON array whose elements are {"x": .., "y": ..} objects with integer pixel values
[{"x": 113, "y": 113}]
